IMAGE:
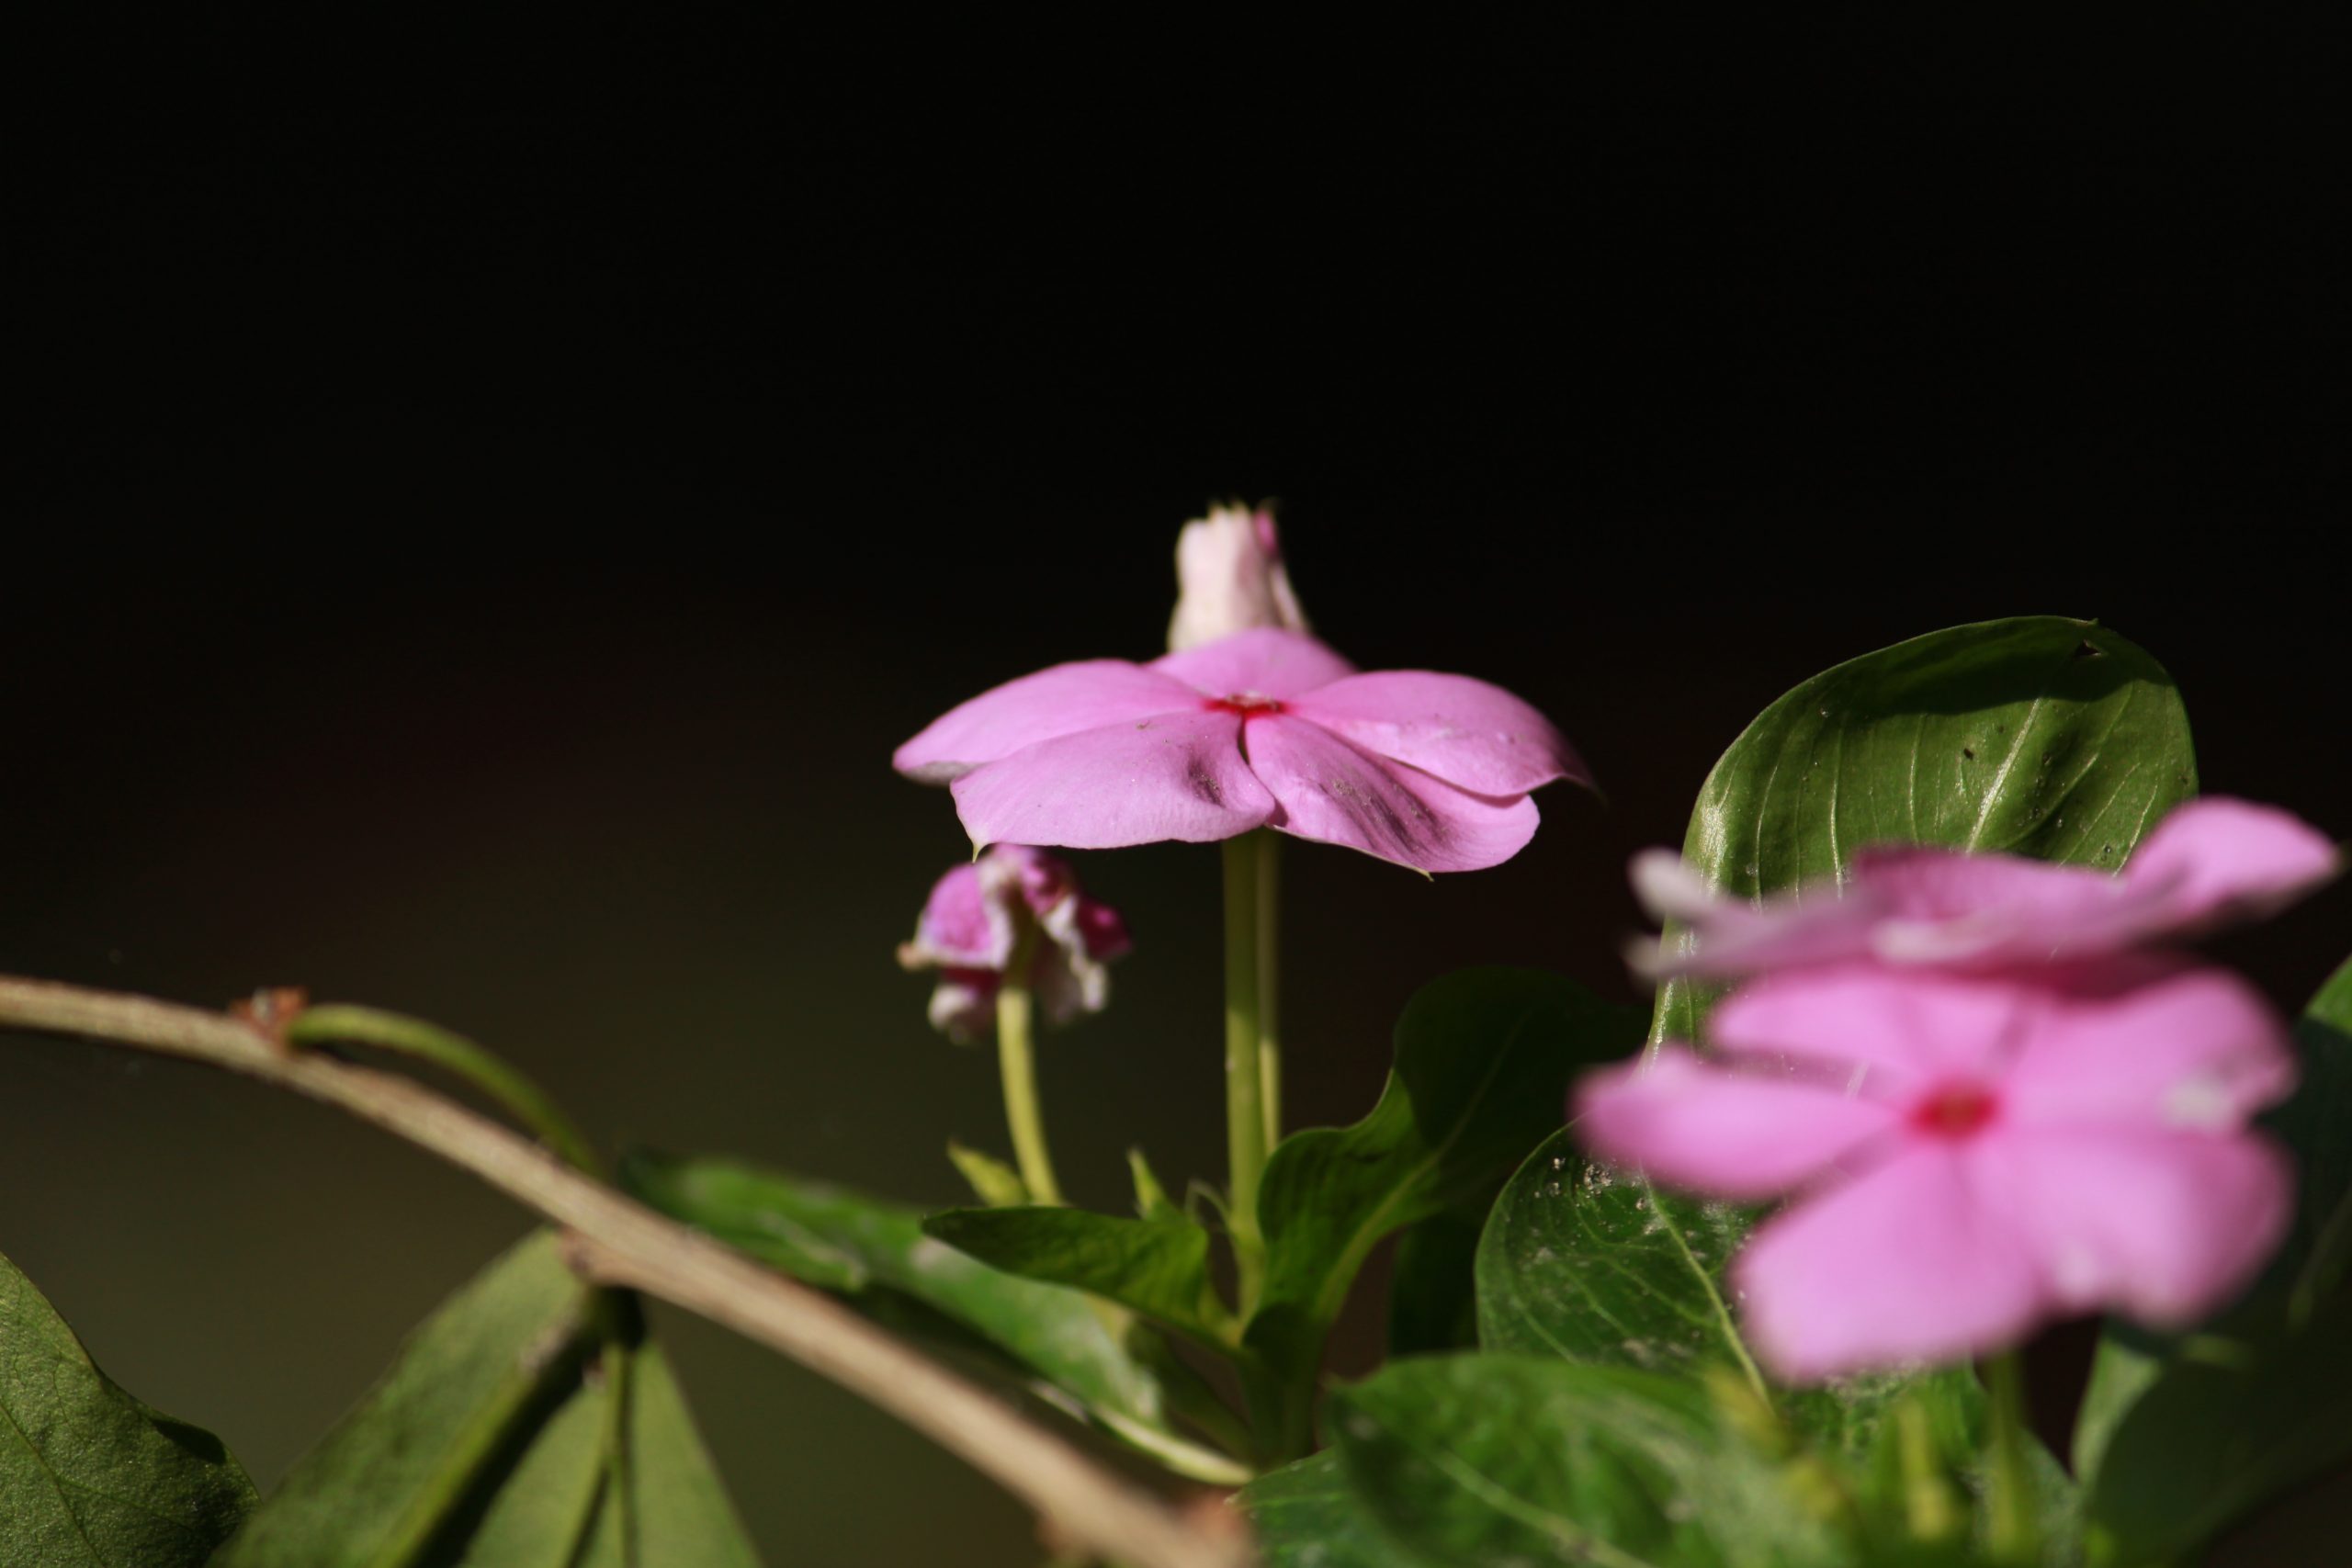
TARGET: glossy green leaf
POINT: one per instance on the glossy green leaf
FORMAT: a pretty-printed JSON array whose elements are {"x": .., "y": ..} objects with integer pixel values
[
  {"x": 1305, "y": 1516},
  {"x": 1483, "y": 1062},
  {"x": 89, "y": 1476},
  {"x": 1580, "y": 1262},
  {"x": 487, "y": 1444},
  {"x": 2038, "y": 736},
  {"x": 1158, "y": 1268},
  {"x": 1532, "y": 1460},
  {"x": 874, "y": 1254}
]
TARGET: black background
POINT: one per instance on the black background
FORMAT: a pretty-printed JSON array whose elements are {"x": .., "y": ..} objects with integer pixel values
[{"x": 488, "y": 505}]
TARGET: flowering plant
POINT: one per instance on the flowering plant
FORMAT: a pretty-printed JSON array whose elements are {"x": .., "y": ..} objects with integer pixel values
[{"x": 1778, "y": 1269}]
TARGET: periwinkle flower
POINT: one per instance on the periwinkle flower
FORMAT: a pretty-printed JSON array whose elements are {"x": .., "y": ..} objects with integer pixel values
[
  {"x": 2210, "y": 862},
  {"x": 1266, "y": 728},
  {"x": 1973, "y": 1153},
  {"x": 1012, "y": 903},
  {"x": 1230, "y": 577}
]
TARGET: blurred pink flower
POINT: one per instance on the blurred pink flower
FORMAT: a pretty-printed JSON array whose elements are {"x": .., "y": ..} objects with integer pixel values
[
  {"x": 1229, "y": 578},
  {"x": 972, "y": 926},
  {"x": 1974, "y": 1154},
  {"x": 1262, "y": 728},
  {"x": 2209, "y": 862}
]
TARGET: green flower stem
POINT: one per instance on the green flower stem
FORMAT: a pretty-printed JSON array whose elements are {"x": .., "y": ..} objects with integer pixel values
[
  {"x": 2014, "y": 1533},
  {"x": 1270, "y": 1049},
  {"x": 1017, "y": 1064},
  {"x": 1245, "y": 1081},
  {"x": 455, "y": 1055}
]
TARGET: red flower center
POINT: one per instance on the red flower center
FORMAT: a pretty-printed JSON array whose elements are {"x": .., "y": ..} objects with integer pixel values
[
  {"x": 1954, "y": 1111},
  {"x": 1249, "y": 704}
]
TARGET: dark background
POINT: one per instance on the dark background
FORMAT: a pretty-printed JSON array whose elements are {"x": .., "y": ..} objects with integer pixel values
[{"x": 487, "y": 506}]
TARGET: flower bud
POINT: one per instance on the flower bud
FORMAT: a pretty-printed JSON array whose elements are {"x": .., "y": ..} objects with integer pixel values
[{"x": 1229, "y": 578}]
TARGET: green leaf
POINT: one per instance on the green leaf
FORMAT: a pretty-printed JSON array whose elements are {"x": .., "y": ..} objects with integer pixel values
[
  {"x": 1580, "y": 1262},
  {"x": 487, "y": 1446},
  {"x": 2038, "y": 736},
  {"x": 1158, "y": 1268},
  {"x": 2222, "y": 1427},
  {"x": 2317, "y": 1126},
  {"x": 1305, "y": 1516},
  {"x": 991, "y": 1181},
  {"x": 89, "y": 1476},
  {"x": 1483, "y": 1062},
  {"x": 874, "y": 1254},
  {"x": 1530, "y": 1461},
  {"x": 2181, "y": 1436},
  {"x": 1433, "y": 1298},
  {"x": 1151, "y": 1199}
]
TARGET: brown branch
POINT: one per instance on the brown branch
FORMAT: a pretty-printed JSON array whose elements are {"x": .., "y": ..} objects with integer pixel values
[{"x": 621, "y": 1241}]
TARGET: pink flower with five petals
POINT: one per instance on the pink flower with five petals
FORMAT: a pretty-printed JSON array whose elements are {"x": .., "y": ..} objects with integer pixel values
[
  {"x": 2209, "y": 862},
  {"x": 1263, "y": 729},
  {"x": 1972, "y": 1153}
]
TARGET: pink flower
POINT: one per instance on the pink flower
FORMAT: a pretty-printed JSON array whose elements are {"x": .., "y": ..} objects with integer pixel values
[
  {"x": 1974, "y": 1154},
  {"x": 2211, "y": 862},
  {"x": 1229, "y": 578},
  {"x": 1262, "y": 728},
  {"x": 974, "y": 922}
]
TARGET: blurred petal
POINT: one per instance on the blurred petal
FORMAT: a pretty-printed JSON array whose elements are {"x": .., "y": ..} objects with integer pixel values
[
  {"x": 963, "y": 1004},
  {"x": 1065, "y": 700},
  {"x": 1904, "y": 1262},
  {"x": 2168, "y": 1226},
  {"x": 2150, "y": 1042},
  {"x": 1467, "y": 732},
  {"x": 1332, "y": 792},
  {"x": 1730, "y": 1134},
  {"x": 1172, "y": 776},
  {"x": 1943, "y": 907},
  {"x": 2218, "y": 859},
  {"x": 1267, "y": 662},
  {"x": 1903, "y": 1028},
  {"x": 960, "y": 925}
]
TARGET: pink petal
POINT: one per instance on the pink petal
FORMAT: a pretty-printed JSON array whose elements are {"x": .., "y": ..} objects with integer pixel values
[
  {"x": 1266, "y": 662},
  {"x": 1064, "y": 700},
  {"x": 1731, "y": 1134},
  {"x": 960, "y": 926},
  {"x": 1940, "y": 905},
  {"x": 963, "y": 1004},
  {"x": 2152, "y": 1042},
  {"x": 1730, "y": 936},
  {"x": 2168, "y": 1226},
  {"x": 1172, "y": 776},
  {"x": 2219, "y": 860},
  {"x": 1904, "y": 1262},
  {"x": 1336, "y": 795},
  {"x": 1900, "y": 1030},
  {"x": 1467, "y": 732}
]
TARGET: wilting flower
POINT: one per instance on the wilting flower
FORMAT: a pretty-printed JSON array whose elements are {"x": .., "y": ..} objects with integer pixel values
[
  {"x": 1229, "y": 578},
  {"x": 2209, "y": 862},
  {"x": 1972, "y": 1153},
  {"x": 981, "y": 917},
  {"x": 1262, "y": 728}
]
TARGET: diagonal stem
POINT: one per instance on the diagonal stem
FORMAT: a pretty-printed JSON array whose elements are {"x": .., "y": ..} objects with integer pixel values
[{"x": 621, "y": 1242}]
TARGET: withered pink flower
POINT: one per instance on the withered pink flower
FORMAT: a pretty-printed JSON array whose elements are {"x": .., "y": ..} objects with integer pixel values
[
  {"x": 974, "y": 925},
  {"x": 1972, "y": 1154},
  {"x": 1262, "y": 728},
  {"x": 1230, "y": 577},
  {"x": 2209, "y": 862}
]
